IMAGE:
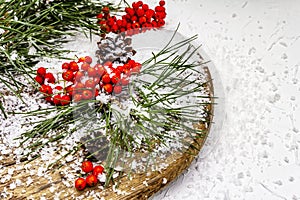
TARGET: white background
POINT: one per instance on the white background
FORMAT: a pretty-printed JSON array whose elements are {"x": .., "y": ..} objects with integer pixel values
[{"x": 255, "y": 46}]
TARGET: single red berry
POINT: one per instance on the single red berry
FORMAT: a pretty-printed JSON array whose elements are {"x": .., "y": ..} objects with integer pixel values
[
  {"x": 139, "y": 3},
  {"x": 149, "y": 13},
  {"x": 58, "y": 87},
  {"x": 87, "y": 166},
  {"x": 162, "y": 3},
  {"x": 78, "y": 76},
  {"x": 39, "y": 79},
  {"x": 88, "y": 59},
  {"x": 125, "y": 81},
  {"x": 56, "y": 99},
  {"x": 97, "y": 79},
  {"x": 74, "y": 66},
  {"x": 117, "y": 89},
  {"x": 105, "y": 78},
  {"x": 68, "y": 75},
  {"x": 81, "y": 59},
  {"x": 46, "y": 89},
  {"x": 65, "y": 100},
  {"x": 100, "y": 16},
  {"x": 77, "y": 97},
  {"x": 80, "y": 184},
  {"x": 87, "y": 94},
  {"x": 90, "y": 83},
  {"x": 50, "y": 78},
  {"x": 65, "y": 66},
  {"x": 108, "y": 88},
  {"x": 105, "y": 10},
  {"x": 98, "y": 170},
  {"x": 79, "y": 87},
  {"x": 134, "y": 18},
  {"x": 100, "y": 70},
  {"x": 41, "y": 71},
  {"x": 85, "y": 66},
  {"x": 115, "y": 79},
  {"x": 136, "y": 25},
  {"x": 142, "y": 20},
  {"x": 145, "y": 7},
  {"x": 70, "y": 90},
  {"x": 91, "y": 180},
  {"x": 49, "y": 99},
  {"x": 160, "y": 9},
  {"x": 135, "y": 6},
  {"x": 92, "y": 72},
  {"x": 140, "y": 12}
]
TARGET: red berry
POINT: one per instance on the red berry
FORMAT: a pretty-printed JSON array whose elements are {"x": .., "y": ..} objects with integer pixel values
[
  {"x": 68, "y": 75},
  {"x": 149, "y": 13},
  {"x": 162, "y": 3},
  {"x": 85, "y": 66},
  {"x": 65, "y": 100},
  {"x": 80, "y": 184},
  {"x": 136, "y": 25},
  {"x": 98, "y": 170},
  {"x": 108, "y": 88},
  {"x": 41, "y": 71},
  {"x": 78, "y": 76},
  {"x": 70, "y": 90},
  {"x": 90, "y": 83},
  {"x": 39, "y": 79},
  {"x": 77, "y": 97},
  {"x": 117, "y": 89},
  {"x": 115, "y": 79},
  {"x": 65, "y": 66},
  {"x": 46, "y": 89},
  {"x": 142, "y": 20},
  {"x": 125, "y": 81},
  {"x": 145, "y": 7},
  {"x": 105, "y": 10},
  {"x": 92, "y": 72},
  {"x": 129, "y": 11},
  {"x": 91, "y": 180},
  {"x": 87, "y": 94},
  {"x": 88, "y": 59},
  {"x": 58, "y": 87},
  {"x": 79, "y": 87},
  {"x": 56, "y": 99},
  {"x": 87, "y": 166},
  {"x": 140, "y": 12},
  {"x": 73, "y": 66},
  {"x": 81, "y": 59},
  {"x": 50, "y": 78},
  {"x": 160, "y": 9},
  {"x": 105, "y": 78},
  {"x": 99, "y": 16}
]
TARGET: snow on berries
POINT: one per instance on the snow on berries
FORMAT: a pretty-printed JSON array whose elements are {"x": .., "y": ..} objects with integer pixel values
[
  {"x": 83, "y": 81},
  {"x": 138, "y": 18}
]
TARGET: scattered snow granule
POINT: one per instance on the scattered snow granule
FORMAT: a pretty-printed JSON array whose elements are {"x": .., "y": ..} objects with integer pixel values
[
  {"x": 69, "y": 158},
  {"x": 18, "y": 182},
  {"x": 43, "y": 198},
  {"x": 10, "y": 171},
  {"x": 102, "y": 178},
  {"x": 52, "y": 189},
  {"x": 164, "y": 181},
  {"x": 145, "y": 183},
  {"x": 12, "y": 186},
  {"x": 2, "y": 31},
  {"x": 41, "y": 171},
  {"x": 29, "y": 181}
]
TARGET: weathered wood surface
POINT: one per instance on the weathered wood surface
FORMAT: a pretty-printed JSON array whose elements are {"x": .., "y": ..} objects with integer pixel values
[{"x": 141, "y": 186}]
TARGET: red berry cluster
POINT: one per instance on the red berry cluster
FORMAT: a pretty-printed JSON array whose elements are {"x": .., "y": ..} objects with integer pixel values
[
  {"x": 138, "y": 18},
  {"x": 92, "y": 179},
  {"x": 82, "y": 81}
]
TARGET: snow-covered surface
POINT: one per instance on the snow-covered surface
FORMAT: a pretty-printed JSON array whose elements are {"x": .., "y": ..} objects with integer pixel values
[{"x": 255, "y": 48}]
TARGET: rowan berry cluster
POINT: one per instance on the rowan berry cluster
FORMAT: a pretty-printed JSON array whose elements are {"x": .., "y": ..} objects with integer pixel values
[
  {"x": 138, "y": 18},
  {"x": 92, "y": 179},
  {"x": 82, "y": 81}
]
